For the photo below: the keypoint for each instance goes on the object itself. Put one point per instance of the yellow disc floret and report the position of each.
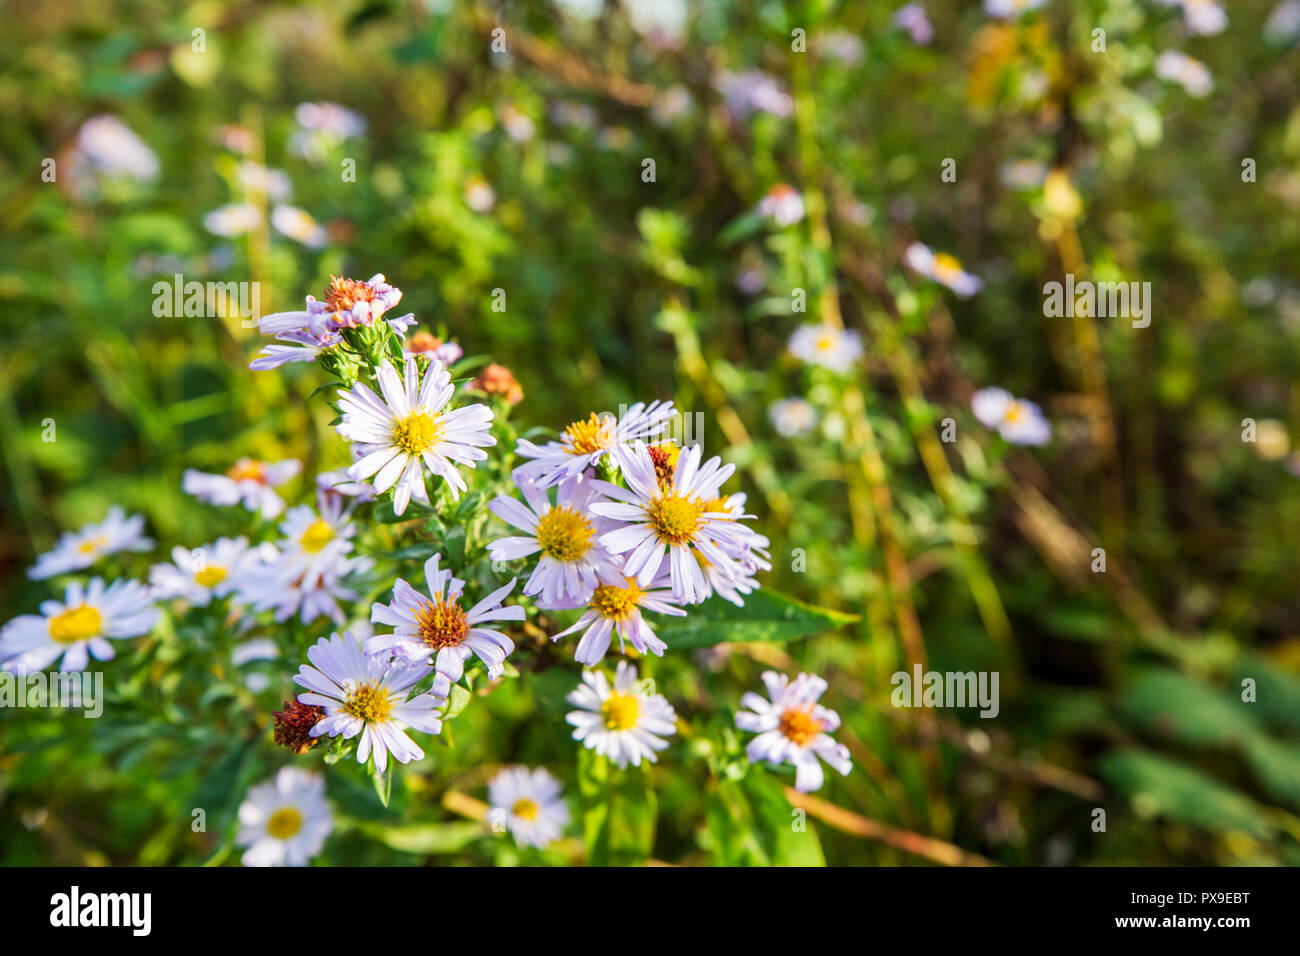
(369, 702)
(76, 624)
(620, 711)
(441, 623)
(675, 518)
(318, 534)
(614, 602)
(212, 575)
(564, 534)
(284, 823)
(416, 432)
(586, 437)
(525, 809)
(799, 727)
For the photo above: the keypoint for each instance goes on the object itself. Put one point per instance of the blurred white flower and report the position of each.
(792, 416)
(284, 822)
(827, 346)
(530, 804)
(112, 149)
(1018, 420)
(299, 226)
(1192, 75)
(232, 220)
(942, 268)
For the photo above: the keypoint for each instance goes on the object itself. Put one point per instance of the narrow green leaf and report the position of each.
(766, 616)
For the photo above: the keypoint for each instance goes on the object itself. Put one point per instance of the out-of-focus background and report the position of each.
(605, 165)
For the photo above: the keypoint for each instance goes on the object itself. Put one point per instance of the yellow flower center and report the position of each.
(584, 438)
(416, 432)
(369, 702)
(1015, 411)
(799, 727)
(564, 534)
(441, 623)
(525, 809)
(620, 711)
(674, 518)
(210, 576)
(284, 823)
(246, 469)
(316, 536)
(614, 602)
(76, 624)
(91, 545)
(946, 267)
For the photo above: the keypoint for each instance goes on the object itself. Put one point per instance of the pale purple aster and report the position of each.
(368, 695)
(585, 443)
(793, 728)
(408, 430)
(437, 626)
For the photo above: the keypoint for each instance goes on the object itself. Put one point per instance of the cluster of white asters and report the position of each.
(618, 527)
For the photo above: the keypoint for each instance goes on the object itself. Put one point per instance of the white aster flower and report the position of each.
(76, 550)
(1283, 24)
(273, 183)
(585, 443)
(792, 416)
(79, 628)
(793, 728)
(679, 517)
(1018, 420)
(623, 722)
(284, 822)
(201, 574)
(530, 804)
(299, 225)
(114, 150)
(250, 481)
(615, 607)
(322, 127)
(783, 204)
(283, 586)
(827, 346)
(1192, 75)
(233, 220)
(438, 627)
(407, 430)
(1010, 9)
(942, 268)
(368, 695)
(913, 19)
(1203, 17)
(315, 541)
(565, 533)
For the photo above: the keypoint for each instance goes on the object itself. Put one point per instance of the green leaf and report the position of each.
(751, 823)
(384, 782)
(1277, 692)
(784, 835)
(1159, 786)
(1173, 705)
(1277, 767)
(619, 810)
(424, 838)
(766, 616)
